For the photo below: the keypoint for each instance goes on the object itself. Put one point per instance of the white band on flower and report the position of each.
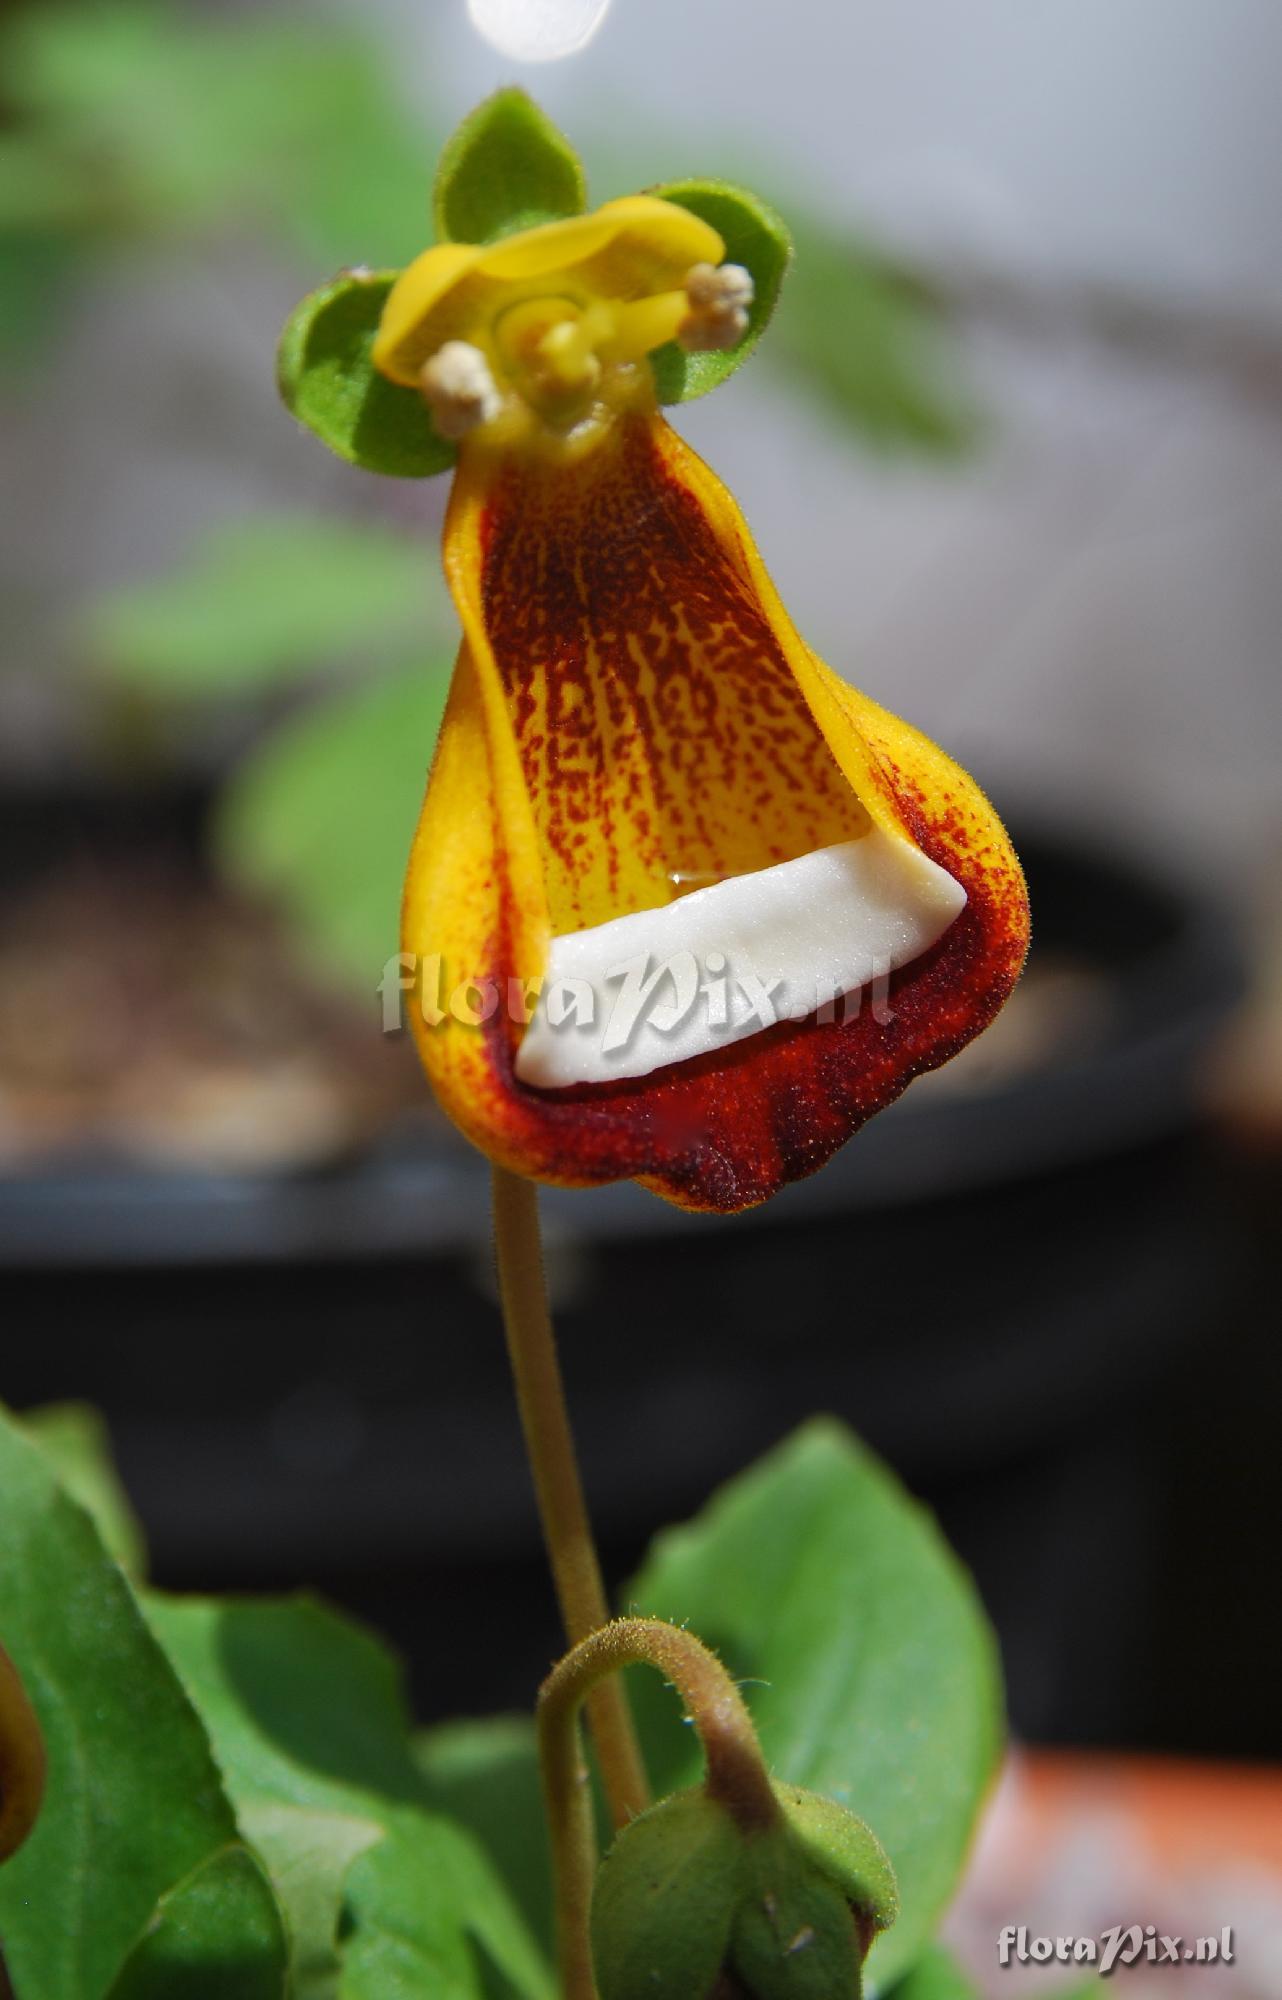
(459, 388)
(712, 967)
(719, 296)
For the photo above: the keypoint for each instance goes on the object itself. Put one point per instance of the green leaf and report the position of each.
(755, 237)
(133, 1804)
(320, 817)
(264, 1670)
(872, 1672)
(937, 1976)
(215, 1936)
(74, 1439)
(485, 1775)
(506, 167)
(259, 602)
(417, 1905)
(329, 382)
(308, 1721)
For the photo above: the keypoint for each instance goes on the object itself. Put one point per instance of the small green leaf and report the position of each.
(259, 602)
(321, 815)
(74, 1439)
(937, 1976)
(871, 1670)
(328, 380)
(133, 1803)
(755, 237)
(215, 1936)
(506, 167)
(309, 1768)
(424, 1913)
(485, 1775)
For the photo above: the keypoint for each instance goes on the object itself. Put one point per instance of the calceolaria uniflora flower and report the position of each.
(686, 906)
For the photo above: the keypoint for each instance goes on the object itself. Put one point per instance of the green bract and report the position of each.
(506, 168)
(755, 237)
(330, 384)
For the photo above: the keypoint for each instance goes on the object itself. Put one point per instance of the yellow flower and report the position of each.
(555, 324)
(752, 903)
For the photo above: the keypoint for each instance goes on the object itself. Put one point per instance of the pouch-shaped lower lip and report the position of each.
(659, 986)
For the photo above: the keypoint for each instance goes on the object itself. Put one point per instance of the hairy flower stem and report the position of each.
(736, 1774)
(549, 1442)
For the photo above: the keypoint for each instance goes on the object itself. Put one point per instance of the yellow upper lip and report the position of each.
(627, 250)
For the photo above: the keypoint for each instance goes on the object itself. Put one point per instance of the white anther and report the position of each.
(719, 285)
(719, 296)
(459, 388)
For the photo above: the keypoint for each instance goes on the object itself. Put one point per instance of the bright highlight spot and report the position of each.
(659, 986)
(537, 30)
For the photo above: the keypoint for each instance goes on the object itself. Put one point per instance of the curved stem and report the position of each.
(736, 1774)
(549, 1442)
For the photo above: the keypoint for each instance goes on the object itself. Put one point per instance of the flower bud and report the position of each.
(690, 1906)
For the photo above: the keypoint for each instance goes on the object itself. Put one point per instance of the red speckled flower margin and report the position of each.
(631, 704)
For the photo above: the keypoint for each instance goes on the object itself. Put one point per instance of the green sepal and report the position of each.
(848, 1852)
(328, 380)
(506, 167)
(664, 1901)
(795, 1936)
(755, 237)
(786, 1911)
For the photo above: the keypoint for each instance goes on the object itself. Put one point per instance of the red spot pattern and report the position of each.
(660, 728)
(658, 723)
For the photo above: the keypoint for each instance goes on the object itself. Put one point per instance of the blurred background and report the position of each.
(1013, 451)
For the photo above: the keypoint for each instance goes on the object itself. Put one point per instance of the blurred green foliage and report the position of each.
(866, 339)
(319, 817)
(259, 603)
(144, 119)
(147, 125)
